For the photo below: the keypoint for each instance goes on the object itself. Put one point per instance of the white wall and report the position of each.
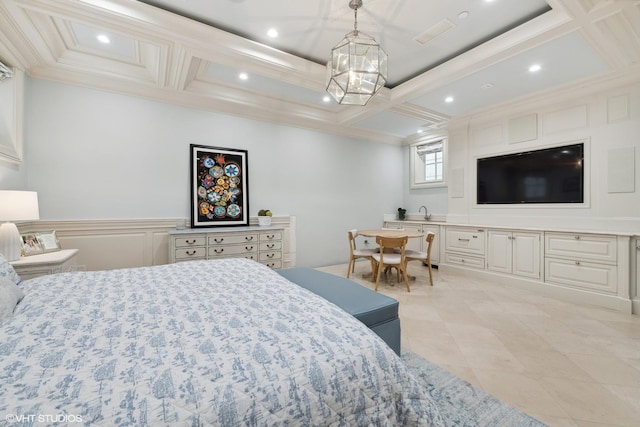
(98, 155)
(608, 121)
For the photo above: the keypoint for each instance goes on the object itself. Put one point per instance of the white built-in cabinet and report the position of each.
(514, 252)
(420, 244)
(596, 267)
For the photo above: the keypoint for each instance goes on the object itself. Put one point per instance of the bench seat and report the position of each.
(379, 312)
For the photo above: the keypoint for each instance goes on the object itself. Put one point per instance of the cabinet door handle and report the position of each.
(248, 248)
(463, 240)
(219, 251)
(193, 252)
(215, 239)
(248, 238)
(271, 236)
(270, 255)
(190, 242)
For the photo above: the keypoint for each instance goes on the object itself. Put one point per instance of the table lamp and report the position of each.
(15, 206)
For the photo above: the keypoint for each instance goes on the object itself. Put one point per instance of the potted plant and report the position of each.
(401, 213)
(264, 217)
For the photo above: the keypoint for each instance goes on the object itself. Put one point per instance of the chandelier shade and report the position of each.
(357, 67)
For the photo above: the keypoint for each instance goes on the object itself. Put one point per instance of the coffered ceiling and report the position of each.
(193, 52)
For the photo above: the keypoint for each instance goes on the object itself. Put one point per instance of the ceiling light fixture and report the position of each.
(448, 99)
(243, 76)
(273, 33)
(357, 68)
(103, 39)
(534, 68)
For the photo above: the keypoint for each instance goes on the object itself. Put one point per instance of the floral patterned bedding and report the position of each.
(225, 342)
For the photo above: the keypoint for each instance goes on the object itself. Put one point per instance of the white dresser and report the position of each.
(263, 244)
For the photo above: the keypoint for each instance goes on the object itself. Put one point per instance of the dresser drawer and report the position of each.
(232, 239)
(266, 237)
(183, 254)
(188, 241)
(271, 246)
(465, 261)
(270, 256)
(232, 250)
(465, 240)
(581, 246)
(580, 274)
(273, 264)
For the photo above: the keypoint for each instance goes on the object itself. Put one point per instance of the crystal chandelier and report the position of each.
(357, 68)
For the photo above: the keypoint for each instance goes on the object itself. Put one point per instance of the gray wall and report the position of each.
(98, 155)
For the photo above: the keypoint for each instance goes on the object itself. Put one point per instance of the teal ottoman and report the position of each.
(379, 312)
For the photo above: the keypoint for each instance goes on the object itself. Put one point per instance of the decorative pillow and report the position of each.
(10, 296)
(6, 270)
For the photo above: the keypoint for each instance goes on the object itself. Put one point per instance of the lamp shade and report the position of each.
(19, 206)
(15, 206)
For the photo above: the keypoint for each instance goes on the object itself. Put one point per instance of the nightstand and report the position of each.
(32, 266)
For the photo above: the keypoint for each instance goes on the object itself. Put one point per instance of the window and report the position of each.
(428, 163)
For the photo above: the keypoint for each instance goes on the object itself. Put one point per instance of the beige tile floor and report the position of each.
(562, 363)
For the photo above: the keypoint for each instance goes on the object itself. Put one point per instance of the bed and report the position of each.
(225, 342)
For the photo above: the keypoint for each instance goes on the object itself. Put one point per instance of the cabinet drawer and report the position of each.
(232, 239)
(266, 237)
(273, 264)
(191, 253)
(580, 274)
(187, 241)
(581, 246)
(466, 261)
(270, 256)
(465, 240)
(271, 246)
(231, 250)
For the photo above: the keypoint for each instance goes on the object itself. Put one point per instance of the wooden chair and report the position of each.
(425, 257)
(355, 253)
(386, 257)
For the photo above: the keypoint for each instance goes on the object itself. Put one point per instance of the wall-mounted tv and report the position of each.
(550, 175)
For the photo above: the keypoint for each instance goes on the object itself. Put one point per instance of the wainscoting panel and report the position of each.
(110, 244)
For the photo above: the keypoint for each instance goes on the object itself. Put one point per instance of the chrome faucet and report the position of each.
(426, 214)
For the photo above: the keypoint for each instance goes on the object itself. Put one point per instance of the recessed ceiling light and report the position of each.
(486, 86)
(420, 130)
(326, 98)
(273, 33)
(463, 15)
(102, 38)
(243, 76)
(535, 68)
(448, 99)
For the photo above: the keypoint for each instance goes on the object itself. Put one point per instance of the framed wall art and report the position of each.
(219, 187)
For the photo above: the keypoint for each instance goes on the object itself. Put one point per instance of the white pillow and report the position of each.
(10, 296)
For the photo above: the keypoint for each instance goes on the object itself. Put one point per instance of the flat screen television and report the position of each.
(550, 175)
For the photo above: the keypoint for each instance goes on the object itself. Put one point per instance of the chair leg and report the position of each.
(378, 268)
(406, 279)
(430, 274)
(351, 266)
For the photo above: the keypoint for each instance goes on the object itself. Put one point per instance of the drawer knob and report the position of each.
(219, 251)
(577, 262)
(577, 237)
